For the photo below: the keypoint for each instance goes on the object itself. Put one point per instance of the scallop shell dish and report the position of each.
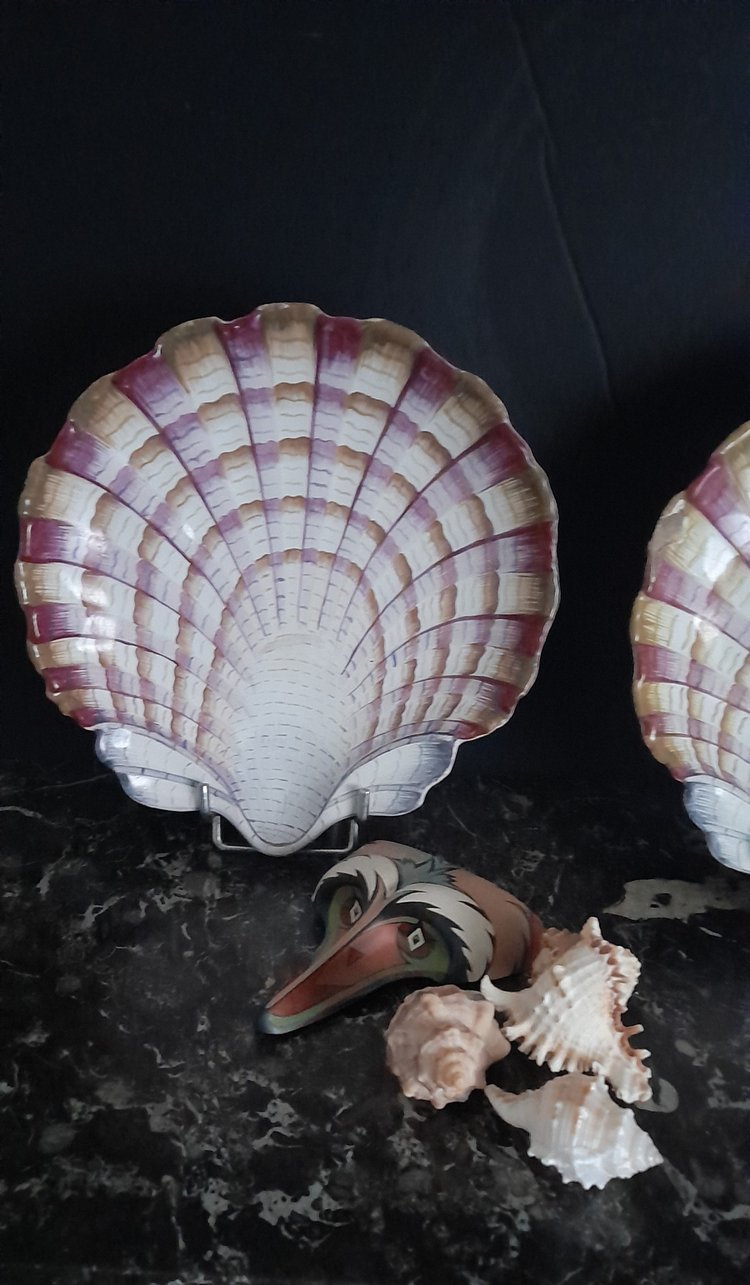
(691, 641)
(283, 566)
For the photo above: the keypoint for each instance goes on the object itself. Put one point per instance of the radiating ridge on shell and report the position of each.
(690, 631)
(293, 558)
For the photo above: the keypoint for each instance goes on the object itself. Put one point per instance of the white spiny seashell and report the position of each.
(690, 631)
(292, 558)
(570, 1017)
(624, 967)
(440, 1043)
(574, 1125)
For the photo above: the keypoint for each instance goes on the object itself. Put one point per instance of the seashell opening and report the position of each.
(292, 558)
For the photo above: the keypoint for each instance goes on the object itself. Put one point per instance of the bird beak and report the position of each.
(367, 956)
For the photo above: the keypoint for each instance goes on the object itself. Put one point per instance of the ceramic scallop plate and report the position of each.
(283, 566)
(691, 641)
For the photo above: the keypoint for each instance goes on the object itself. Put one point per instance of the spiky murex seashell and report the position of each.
(624, 966)
(441, 1041)
(293, 558)
(570, 1017)
(574, 1125)
(691, 648)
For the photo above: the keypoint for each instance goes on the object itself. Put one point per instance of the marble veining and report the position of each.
(149, 1134)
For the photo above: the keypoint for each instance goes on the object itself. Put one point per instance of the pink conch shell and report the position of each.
(440, 1043)
(574, 1125)
(570, 1017)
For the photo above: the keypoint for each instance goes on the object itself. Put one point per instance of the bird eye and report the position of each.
(415, 940)
(350, 908)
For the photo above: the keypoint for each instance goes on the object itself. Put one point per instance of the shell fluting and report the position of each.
(570, 1016)
(292, 558)
(574, 1126)
(690, 630)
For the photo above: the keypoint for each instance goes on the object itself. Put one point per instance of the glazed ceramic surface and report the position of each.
(691, 641)
(392, 912)
(283, 566)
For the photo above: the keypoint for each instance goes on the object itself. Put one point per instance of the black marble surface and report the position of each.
(149, 1135)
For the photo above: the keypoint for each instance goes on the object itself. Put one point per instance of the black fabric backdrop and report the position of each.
(555, 195)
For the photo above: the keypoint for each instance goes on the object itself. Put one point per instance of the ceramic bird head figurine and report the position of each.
(393, 912)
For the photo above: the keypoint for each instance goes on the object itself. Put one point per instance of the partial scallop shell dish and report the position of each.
(574, 1125)
(691, 642)
(570, 1017)
(287, 564)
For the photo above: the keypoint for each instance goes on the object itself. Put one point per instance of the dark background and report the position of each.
(555, 195)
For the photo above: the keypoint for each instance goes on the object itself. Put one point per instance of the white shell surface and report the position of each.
(690, 631)
(570, 1017)
(574, 1126)
(294, 558)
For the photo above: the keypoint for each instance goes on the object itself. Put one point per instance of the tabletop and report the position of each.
(149, 1133)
